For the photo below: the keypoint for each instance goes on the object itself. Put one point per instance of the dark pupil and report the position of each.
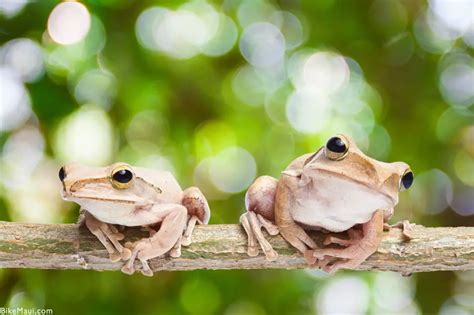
(123, 176)
(336, 144)
(407, 180)
(62, 174)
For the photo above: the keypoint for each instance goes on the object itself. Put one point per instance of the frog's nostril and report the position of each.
(62, 173)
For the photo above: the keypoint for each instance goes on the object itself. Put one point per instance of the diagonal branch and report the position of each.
(65, 246)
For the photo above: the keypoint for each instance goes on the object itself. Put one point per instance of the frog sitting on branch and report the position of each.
(132, 196)
(336, 189)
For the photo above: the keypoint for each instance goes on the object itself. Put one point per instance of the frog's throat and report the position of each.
(371, 187)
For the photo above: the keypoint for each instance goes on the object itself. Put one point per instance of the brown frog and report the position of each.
(338, 188)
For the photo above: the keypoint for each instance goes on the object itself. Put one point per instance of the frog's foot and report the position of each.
(271, 228)
(298, 238)
(198, 212)
(109, 236)
(252, 225)
(259, 202)
(163, 241)
(175, 252)
(405, 226)
(356, 253)
(188, 232)
(252, 248)
(330, 264)
(354, 237)
(310, 257)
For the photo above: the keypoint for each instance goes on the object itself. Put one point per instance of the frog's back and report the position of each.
(164, 181)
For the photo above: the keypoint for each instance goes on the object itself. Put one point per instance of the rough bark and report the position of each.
(66, 246)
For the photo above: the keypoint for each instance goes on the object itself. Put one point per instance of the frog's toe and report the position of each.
(310, 257)
(175, 252)
(186, 240)
(119, 236)
(126, 253)
(147, 272)
(252, 251)
(115, 256)
(271, 255)
(128, 270)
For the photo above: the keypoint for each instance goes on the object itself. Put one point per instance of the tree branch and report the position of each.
(66, 246)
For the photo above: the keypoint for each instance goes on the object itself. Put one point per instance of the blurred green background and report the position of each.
(219, 93)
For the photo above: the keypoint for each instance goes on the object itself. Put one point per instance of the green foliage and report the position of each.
(219, 94)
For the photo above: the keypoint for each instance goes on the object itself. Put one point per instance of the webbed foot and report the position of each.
(364, 244)
(109, 236)
(252, 224)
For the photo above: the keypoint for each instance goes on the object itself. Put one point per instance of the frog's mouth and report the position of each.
(91, 194)
(77, 197)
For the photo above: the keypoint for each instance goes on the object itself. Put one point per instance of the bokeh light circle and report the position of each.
(15, 103)
(343, 295)
(69, 23)
(233, 170)
(26, 57)
(262, 44)
(85, 136)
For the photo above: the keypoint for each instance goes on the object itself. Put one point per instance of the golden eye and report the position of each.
(336, 148)
(122, 177)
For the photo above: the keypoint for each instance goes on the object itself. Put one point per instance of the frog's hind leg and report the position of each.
(260, 197)
(252, 248)
(161, 242)
(109, 236)
(259, 201)
(256, 227)
(198, 212)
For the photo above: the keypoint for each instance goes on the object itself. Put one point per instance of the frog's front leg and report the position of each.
(162, 241)
(291, 232)
(357, 252)
(259, 201)
(198, 212)
(109, 236)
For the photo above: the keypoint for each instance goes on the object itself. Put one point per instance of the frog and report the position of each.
(117, 196)
(337, 190)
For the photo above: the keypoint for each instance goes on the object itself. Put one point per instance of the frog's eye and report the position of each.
(407, 180)
(122, 177)
(336, 148)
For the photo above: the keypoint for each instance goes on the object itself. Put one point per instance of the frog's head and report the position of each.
(343, 160)
(117, 184)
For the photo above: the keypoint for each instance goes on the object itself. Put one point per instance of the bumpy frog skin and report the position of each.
(132, 196)
(336, 189)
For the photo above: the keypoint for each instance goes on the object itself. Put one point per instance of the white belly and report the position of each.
(336, 204)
